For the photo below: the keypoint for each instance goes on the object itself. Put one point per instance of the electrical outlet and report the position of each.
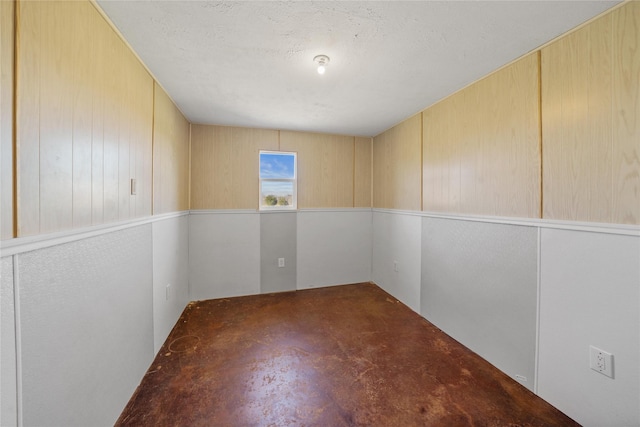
(395, 266)
(601, 361)
(280, 262)
(166, 291)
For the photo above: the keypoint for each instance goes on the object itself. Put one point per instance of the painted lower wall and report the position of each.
(479, 284)
(83, 315)
(224, 254)
(84, 327)
(170, 274)
(8, 385)
(235, 253)
(396, 256)
(590, 295)
(278, 231)
(529, 297)
(334, 247)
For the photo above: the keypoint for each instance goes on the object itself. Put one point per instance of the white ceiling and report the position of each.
(250, 63)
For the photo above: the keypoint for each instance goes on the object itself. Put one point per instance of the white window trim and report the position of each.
(294, 180)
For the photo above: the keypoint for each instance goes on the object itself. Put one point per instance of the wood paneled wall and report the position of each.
(481, 146)
(325, 168)
(591, 121)
(84, 120)
(170, 155)
(224, 165)
(362, 172)
(333, 171)
(397, 165)
(6, 110)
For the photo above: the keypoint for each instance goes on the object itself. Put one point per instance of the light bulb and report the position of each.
(322, 61)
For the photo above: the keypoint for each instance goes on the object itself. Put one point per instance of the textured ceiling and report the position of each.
(248, 63)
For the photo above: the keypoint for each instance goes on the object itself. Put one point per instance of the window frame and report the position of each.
(294, 202)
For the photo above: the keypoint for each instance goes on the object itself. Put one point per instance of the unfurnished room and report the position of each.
(320, 213)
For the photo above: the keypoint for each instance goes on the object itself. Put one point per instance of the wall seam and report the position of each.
(153, 148)
(538, 291)
(18, 338)
(421, 160)
(540, 140)
(353, 178)
(14, 122)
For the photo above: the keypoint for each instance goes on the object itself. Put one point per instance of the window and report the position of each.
(278, 174)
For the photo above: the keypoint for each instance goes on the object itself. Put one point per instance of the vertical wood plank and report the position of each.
(7, 10)
(362, 172)
(202, 173)
(82, 102)
(397, 163)
(434, 160)
(246, 146)
(325, 168)
(211, 167)
(56, 117)
(99, 61)
(378, 148)
(626, 119)
(576, 121)
(124, 123)
(28, 118)
(481, 146)
(143, 141)
(112, 106)
(170, 156)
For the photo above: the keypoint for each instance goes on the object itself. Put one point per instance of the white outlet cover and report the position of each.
(601, 361)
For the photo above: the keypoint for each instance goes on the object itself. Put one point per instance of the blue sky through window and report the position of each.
(277, 166)
(277, 188)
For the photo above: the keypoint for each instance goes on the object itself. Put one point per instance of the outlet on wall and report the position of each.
(167, 291)
(280, 262)
(601, 361)
(395, 266)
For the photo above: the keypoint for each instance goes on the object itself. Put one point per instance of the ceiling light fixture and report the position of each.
(322, 61)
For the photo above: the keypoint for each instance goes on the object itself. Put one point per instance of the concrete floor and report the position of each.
(340, 356)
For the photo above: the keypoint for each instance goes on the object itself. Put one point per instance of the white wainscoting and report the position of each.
(8, 368)
(479, 284)
(590, 295)
(587, 292)
(92, 306)
(397, 239)
(224, 254)
(334, 247)
(85, 327)
(170, 267)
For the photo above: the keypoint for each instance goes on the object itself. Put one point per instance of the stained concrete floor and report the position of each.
(339, 356)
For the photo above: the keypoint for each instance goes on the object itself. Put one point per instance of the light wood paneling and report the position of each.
(397, 166)
(325, 168)
(626, 121)
(591, 121)
(362, 172)
(28, 118)
(170, 156)
(84, 120)
(141, 162)
(81, 108)
(6, 108)
(481, 152)
(57, 32)
(224, 165)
